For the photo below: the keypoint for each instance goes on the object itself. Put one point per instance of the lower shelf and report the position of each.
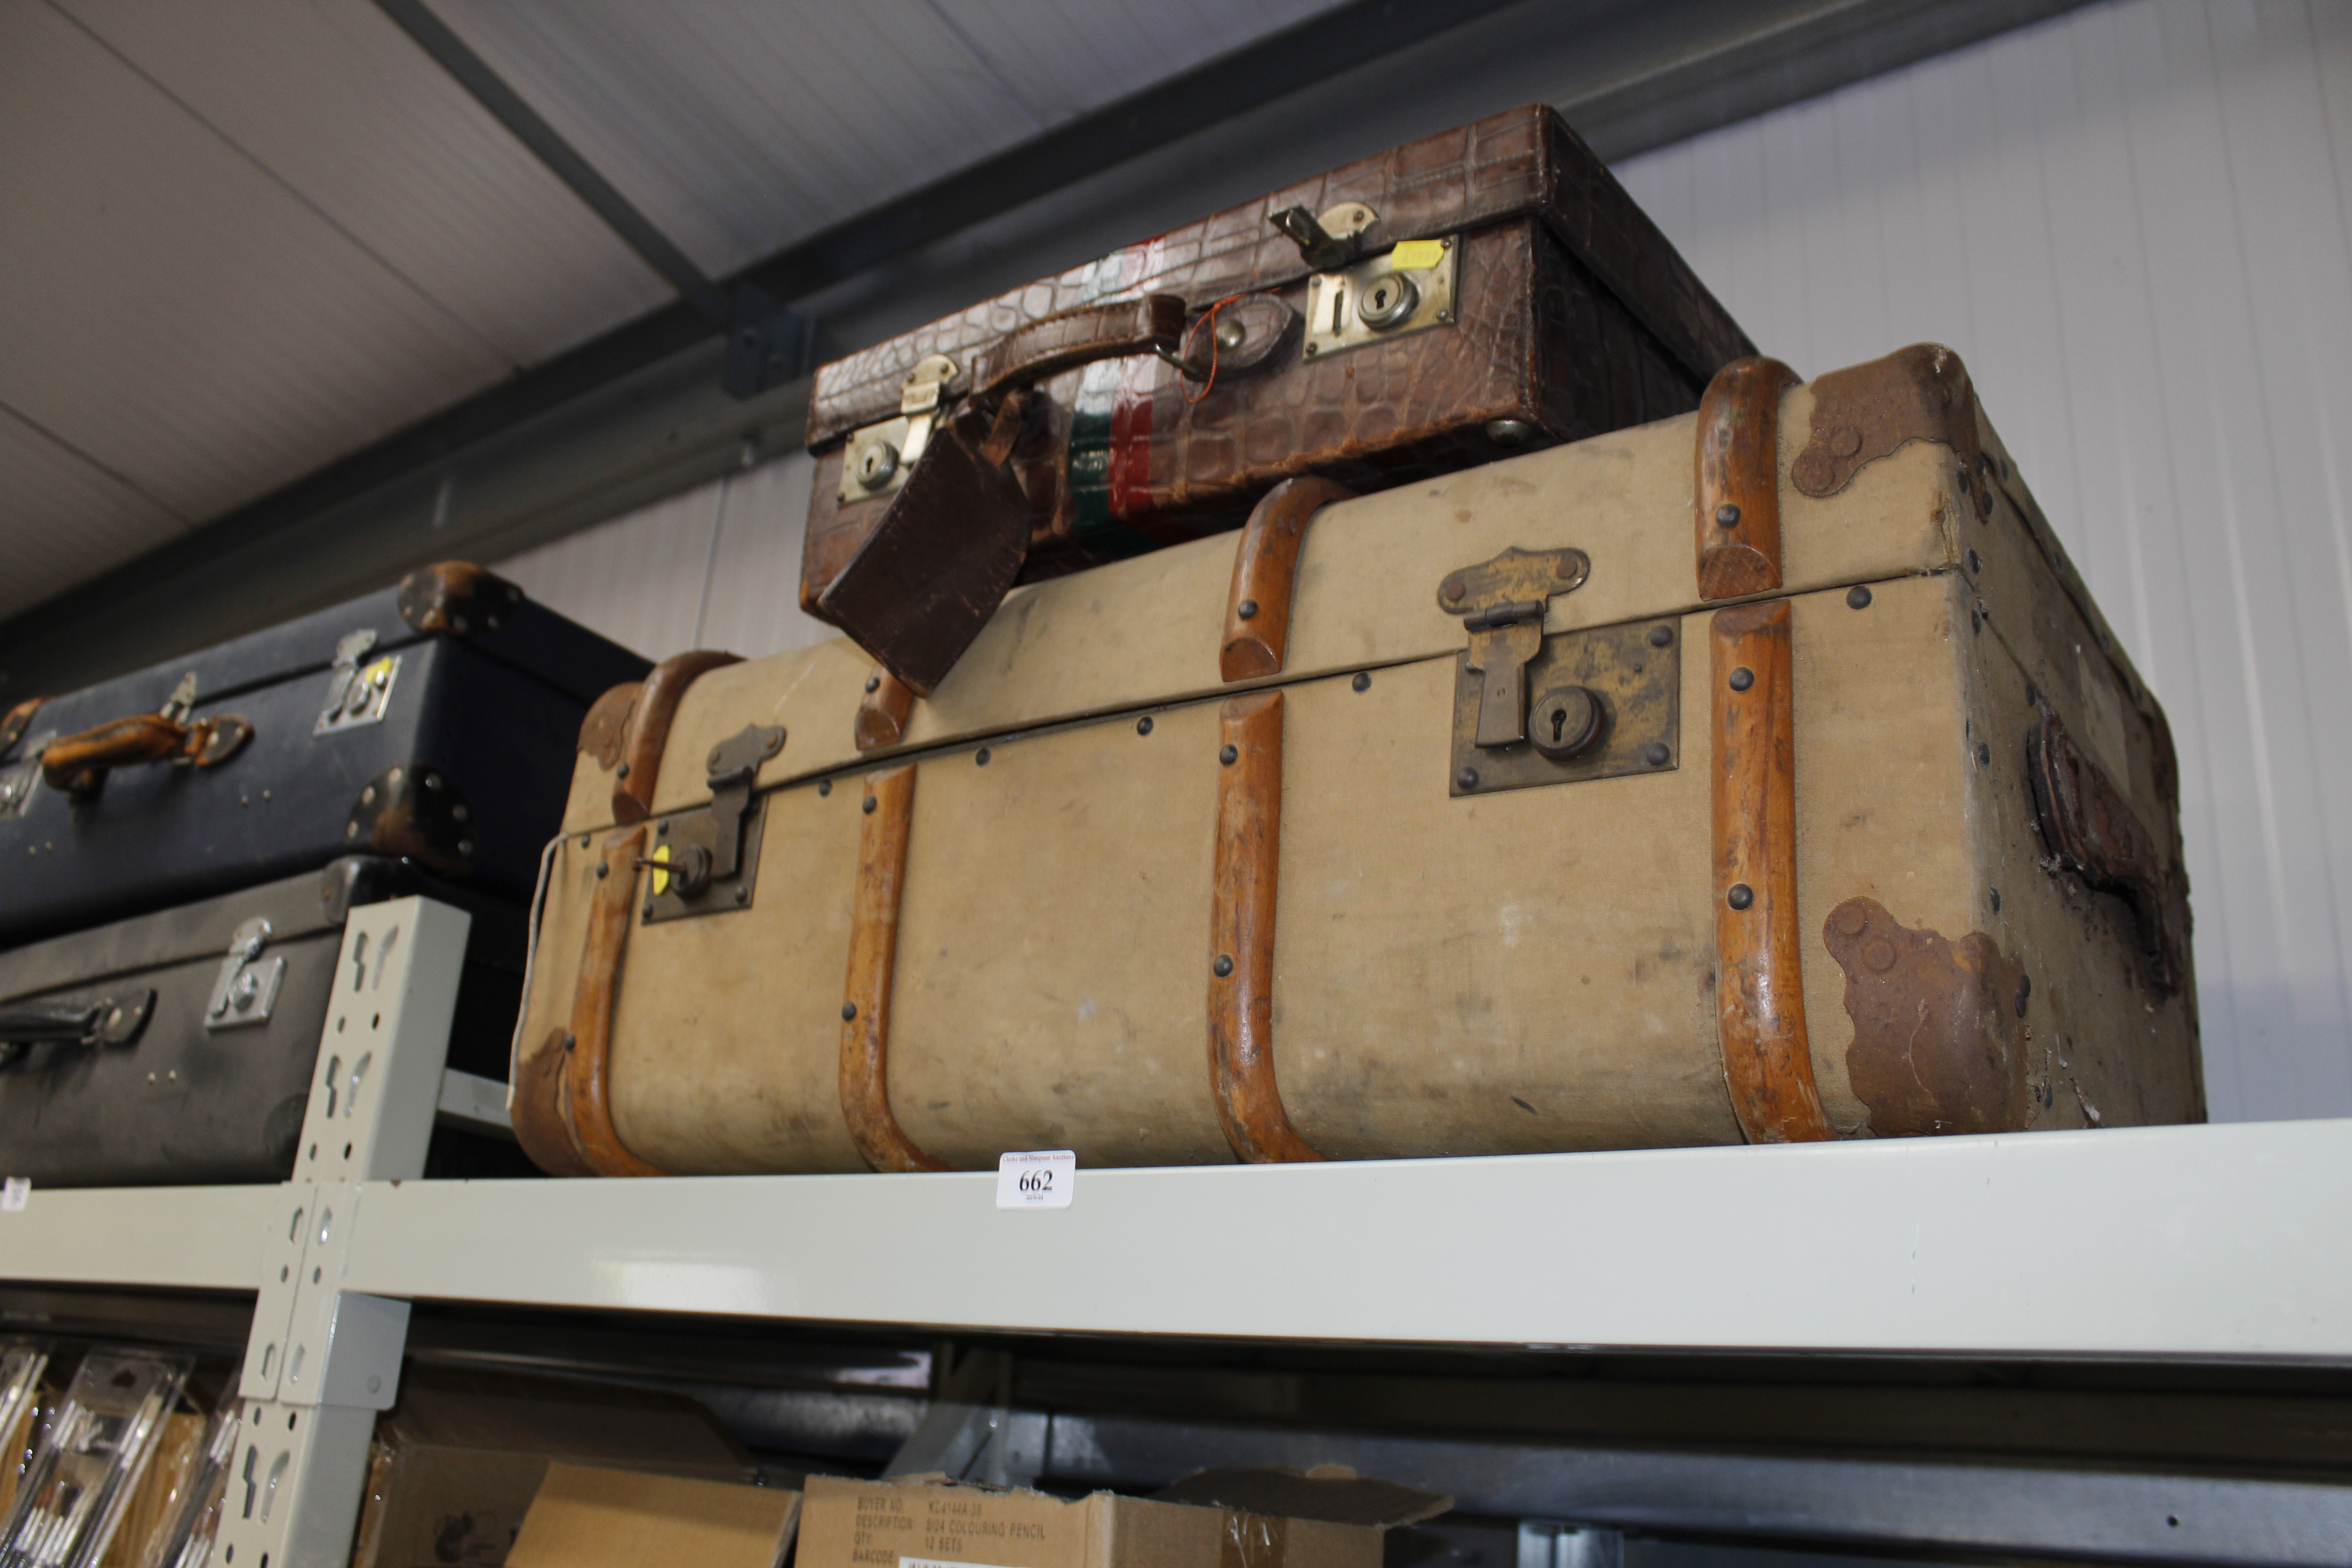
(2195, 1242)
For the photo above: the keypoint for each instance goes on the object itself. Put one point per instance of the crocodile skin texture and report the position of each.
(1539, 340)
(1526, 161)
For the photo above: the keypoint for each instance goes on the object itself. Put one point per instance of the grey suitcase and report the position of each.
(178, 1046)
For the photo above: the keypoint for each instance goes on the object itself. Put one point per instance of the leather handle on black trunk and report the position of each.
(80, 763)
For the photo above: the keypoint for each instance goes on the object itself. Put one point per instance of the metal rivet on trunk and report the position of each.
(848, 1012)
(742, 895)
(663, 831)
(1363, 681)
(1726, 515)
(603, 871)
(1224, 966)
(622, 772)
(1143, 725)
(1742, 678)
(1984, 755)
(1661, 635)
(1229, 755)
(1976, 563)
(873, 683)
(1509, 432)
(824, 787)
(1467, 778)
(868, 807)
(1857, 598)
(1656, 755)
(1996, 900)
(1741, 896)
(981, 756)
(1246, 609)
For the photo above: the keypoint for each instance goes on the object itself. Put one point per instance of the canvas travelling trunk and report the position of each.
(1486, 290)
(432, 721)
(1765, 773)
(178, 1046)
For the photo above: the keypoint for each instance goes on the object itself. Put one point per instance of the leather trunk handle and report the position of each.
(865, 1067)
(1114, 329)
(79, 764)
(2092, 831)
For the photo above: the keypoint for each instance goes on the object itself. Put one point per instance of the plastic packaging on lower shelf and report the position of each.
(114, 1466)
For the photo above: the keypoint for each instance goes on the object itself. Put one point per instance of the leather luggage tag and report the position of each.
(945, 551)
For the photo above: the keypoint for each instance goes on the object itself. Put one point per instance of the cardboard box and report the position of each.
(458, 1460)
(586, 1518)
(1218, 1519)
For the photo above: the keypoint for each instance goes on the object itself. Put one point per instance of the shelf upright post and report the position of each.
(321, 1360)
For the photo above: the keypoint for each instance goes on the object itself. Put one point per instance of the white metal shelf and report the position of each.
(189, 1239)
(2196, 1242)
(2232, 1241)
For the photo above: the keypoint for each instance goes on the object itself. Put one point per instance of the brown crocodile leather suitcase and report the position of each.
(1487, 289)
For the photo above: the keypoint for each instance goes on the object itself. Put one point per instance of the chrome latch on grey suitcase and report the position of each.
(246, 988)
(357, 694)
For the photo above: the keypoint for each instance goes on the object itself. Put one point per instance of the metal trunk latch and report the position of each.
(1502, 601)
(357, 695)
(1607, 699)
(878, 457)
(696, 856)
(246, 988)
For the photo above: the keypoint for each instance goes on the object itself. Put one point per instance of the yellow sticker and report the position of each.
(1414, 255)
(661, 878)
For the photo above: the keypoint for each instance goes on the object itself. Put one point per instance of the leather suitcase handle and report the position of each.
(1739, 479)
(1265, 576)
(19, 719)
(1115, 329)
(1241, 935)
(2091, 830)
(1759, 995)
(80, 763)
(890, 807)
(648, 728)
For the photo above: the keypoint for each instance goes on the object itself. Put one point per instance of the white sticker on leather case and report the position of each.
(1040, 1179)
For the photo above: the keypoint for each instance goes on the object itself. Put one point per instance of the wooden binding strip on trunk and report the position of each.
(882, 714)
(1739, 479)
(1241, 934)
(562, 1115)
(889, 808)
(1760, 999)
(589, 1053)
(648, 728)
(1266, 574)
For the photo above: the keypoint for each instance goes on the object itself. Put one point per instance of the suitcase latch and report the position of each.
(878, 457)
(357, 695)
(246, 988)
(1606, 700)
(1503, 601)
(706, 862)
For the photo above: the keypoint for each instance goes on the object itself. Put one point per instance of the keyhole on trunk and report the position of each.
(1566, 721)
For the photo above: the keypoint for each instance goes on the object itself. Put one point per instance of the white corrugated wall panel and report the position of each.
(83, 510)
(717, 567)
(2132, 224)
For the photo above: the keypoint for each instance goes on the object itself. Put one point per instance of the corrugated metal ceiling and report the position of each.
(240, 242)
